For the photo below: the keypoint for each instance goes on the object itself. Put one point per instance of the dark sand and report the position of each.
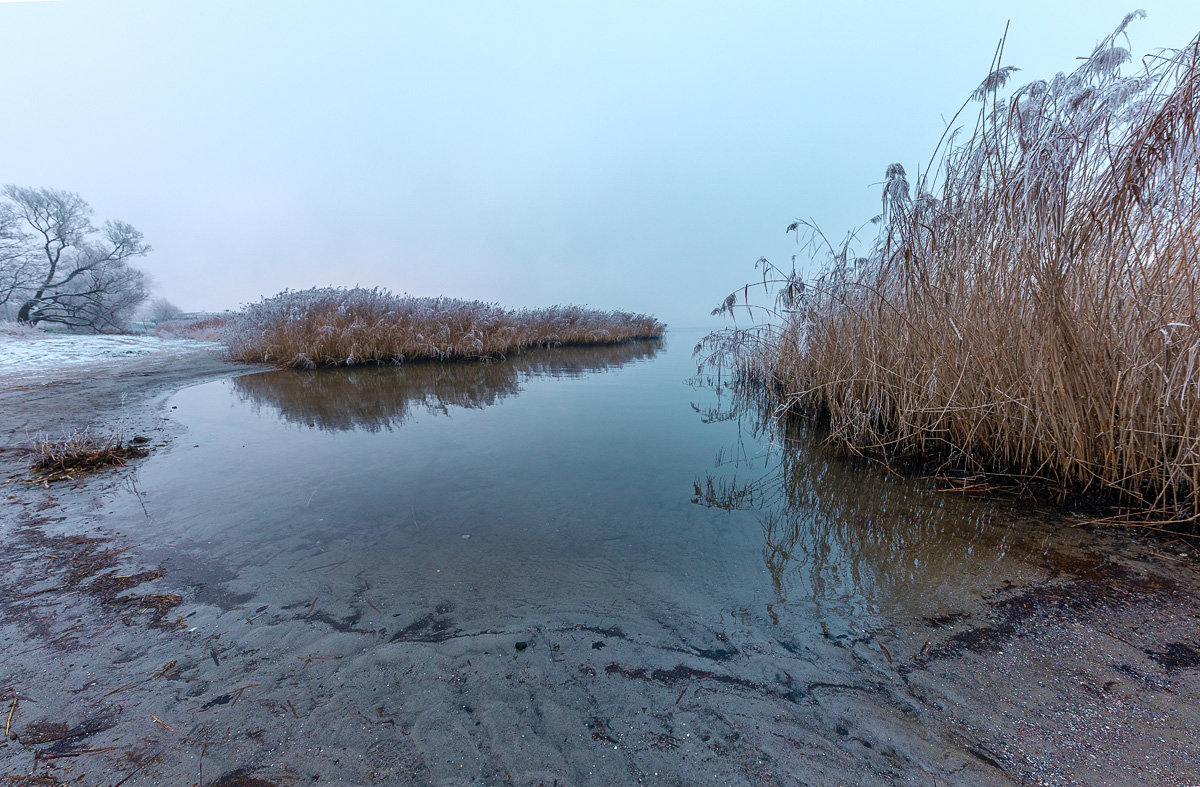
(1088, 673)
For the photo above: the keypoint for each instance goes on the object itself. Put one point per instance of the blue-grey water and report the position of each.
(556, 484)
(582, 565)
(578, 566)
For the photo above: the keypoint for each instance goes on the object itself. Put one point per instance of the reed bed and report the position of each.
(1031, 305)
(348, 327)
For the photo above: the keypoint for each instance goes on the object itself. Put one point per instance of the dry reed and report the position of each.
(81, 452)
(208, 329)
(347, 327)
(1032, 306)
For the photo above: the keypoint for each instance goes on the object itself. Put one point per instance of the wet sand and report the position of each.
(118, 667)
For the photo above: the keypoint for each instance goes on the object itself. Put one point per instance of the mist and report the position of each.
(617, 157)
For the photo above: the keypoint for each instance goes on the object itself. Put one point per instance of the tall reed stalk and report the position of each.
(1032, 305)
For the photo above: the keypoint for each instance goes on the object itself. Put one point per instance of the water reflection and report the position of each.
(408, 565)
(842, 530)
(574, 502)
(377, 398)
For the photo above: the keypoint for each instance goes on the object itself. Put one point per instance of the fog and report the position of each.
(619, 156)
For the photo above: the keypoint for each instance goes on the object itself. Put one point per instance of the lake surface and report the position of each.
(556, 483)
(525, 561)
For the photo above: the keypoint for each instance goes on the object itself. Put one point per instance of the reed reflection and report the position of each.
(840, 529)
(373, 399)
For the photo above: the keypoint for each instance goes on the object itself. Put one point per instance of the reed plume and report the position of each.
(1031, 305)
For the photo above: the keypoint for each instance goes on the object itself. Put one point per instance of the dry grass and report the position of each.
(81, 452)
(347, 327)
(1032, 306)
(208, 329)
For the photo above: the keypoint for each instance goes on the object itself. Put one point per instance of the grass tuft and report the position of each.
(349, 327)
(81, 452)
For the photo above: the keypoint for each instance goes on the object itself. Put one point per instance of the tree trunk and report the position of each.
(27, 308)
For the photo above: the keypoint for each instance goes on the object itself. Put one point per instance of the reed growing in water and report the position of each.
(347, 327)
(1031, 305)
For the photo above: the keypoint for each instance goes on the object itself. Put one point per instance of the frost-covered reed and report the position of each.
(80, 452)
(1031, 305)
(347, 327)
(207, 329)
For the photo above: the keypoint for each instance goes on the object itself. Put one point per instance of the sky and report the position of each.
(636, 156)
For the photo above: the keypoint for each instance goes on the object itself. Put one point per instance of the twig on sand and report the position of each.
(327, 565)
(76, 753)
(133, 488)
(11, 711)
(133, 773)
(238, 692)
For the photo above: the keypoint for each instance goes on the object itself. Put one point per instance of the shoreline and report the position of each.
(1078, 676)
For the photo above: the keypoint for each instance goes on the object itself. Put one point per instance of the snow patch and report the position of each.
(41, 356)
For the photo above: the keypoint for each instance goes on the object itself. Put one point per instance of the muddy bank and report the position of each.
(128, 657)
(42, 397)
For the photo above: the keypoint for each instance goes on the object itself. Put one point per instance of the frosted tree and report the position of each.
(60, 267)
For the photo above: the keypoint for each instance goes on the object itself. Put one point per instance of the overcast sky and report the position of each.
(626, 155)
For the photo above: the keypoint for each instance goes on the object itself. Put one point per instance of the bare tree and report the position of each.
(161, 310)
(102, 299)
(15, 267)
(60, 267)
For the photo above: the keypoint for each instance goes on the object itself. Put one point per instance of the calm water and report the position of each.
(558, 486)
(569, 567)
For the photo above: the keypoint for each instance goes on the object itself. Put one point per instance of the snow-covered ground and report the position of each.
(34, 355)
